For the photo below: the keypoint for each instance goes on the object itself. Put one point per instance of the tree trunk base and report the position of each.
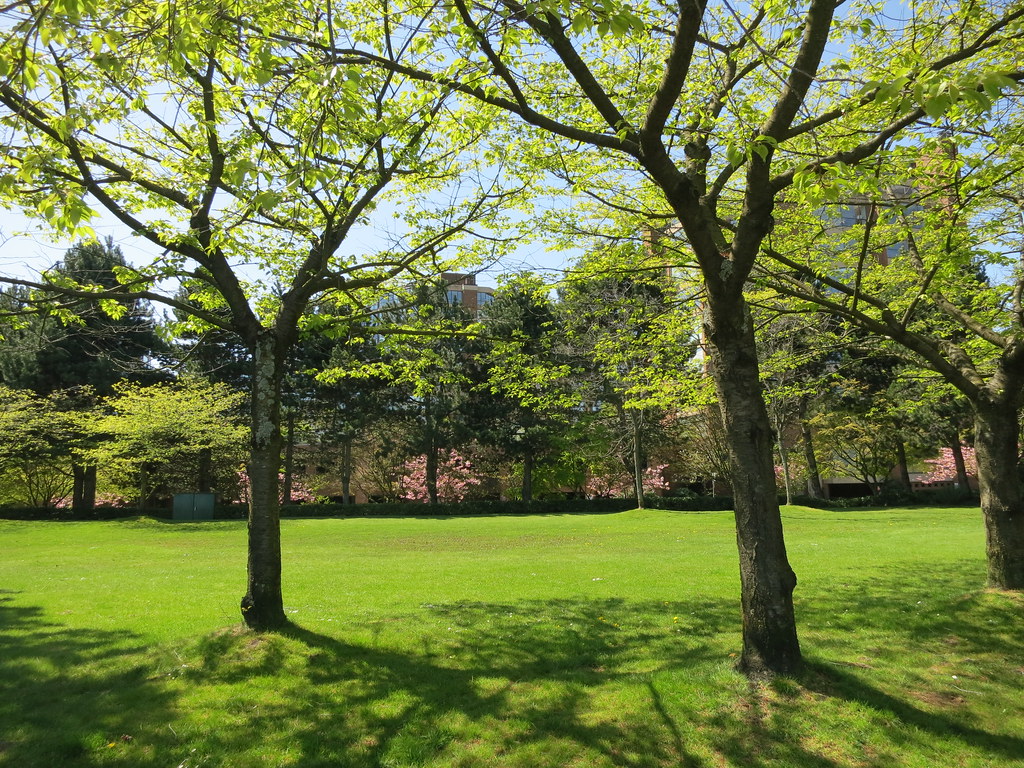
(266, 620)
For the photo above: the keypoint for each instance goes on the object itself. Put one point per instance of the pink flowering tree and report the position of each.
(616, 486)
(944, 467)
(456, 478)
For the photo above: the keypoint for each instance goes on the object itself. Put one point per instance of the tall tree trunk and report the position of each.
(346, 468)
(963, 482)
(770, 644)
(901, 462)
(636, 426)
(996, 430)
(289, 457)
(784, 459)
(204, 473)
(528, 476)
(89, 488)
(813, 475)
(430, 469)
(83, 492)
(431, 473)
(143, 487)
(263, 605)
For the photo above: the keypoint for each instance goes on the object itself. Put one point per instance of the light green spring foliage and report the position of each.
(164, 423)
(38, 440)
(528, 357)
(933, 248)
(255, 162)
(884, 67)
(636, 325)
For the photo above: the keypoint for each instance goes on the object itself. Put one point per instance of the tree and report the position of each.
(37, 443)
(453, 478)
(635, 344)
(529, 373)
(941, 213)
(87, 353)
(721, 109)
(92, 347)
(435, 359)
(251, 174)
(170, 437)
(797, 356)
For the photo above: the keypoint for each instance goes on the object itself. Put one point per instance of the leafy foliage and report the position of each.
(38, 440)
(156, 435)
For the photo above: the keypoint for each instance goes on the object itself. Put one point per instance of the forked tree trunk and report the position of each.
(83, 493)
(770, 644)
(996, 429)
(263, 606)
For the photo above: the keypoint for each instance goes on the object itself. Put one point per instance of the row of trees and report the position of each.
(142, 442)
(594, 390)
(269, 151)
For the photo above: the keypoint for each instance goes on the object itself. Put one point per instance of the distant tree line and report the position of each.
(596, 387)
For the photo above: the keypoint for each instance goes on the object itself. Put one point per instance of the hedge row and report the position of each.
(400, 509)
(688, 503)
(477, 508)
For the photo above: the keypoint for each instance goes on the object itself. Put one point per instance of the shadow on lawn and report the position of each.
(581, 682)
(510, 684)
(66, 693)
(529, 684)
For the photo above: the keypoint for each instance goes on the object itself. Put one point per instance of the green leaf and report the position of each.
(936, 107)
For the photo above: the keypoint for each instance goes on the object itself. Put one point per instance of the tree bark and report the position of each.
(346, 468)
(528, 476)
(83, 493)
(263, 605)
(770, 644)
(143, 487)
(289, 456)
(813, 475)
(996, 430)
(962, 480)
(430, 468)
(901, 463)
(204, 472)
(784, 459)
(431, 473)
(636, 423)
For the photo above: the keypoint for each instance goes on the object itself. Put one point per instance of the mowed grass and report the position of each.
(582, 640)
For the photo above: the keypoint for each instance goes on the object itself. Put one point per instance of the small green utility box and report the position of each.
(194, 506)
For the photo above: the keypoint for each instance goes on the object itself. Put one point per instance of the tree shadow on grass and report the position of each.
(500, 684)
(67, 693)
(611, 683)
(545, 683)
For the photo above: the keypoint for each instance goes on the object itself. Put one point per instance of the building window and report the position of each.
(483, 298)
(454, 297)
(851, 215)
(896, 249)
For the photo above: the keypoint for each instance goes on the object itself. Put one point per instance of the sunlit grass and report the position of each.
(584, 640)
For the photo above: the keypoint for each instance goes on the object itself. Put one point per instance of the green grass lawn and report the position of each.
(541, 642)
